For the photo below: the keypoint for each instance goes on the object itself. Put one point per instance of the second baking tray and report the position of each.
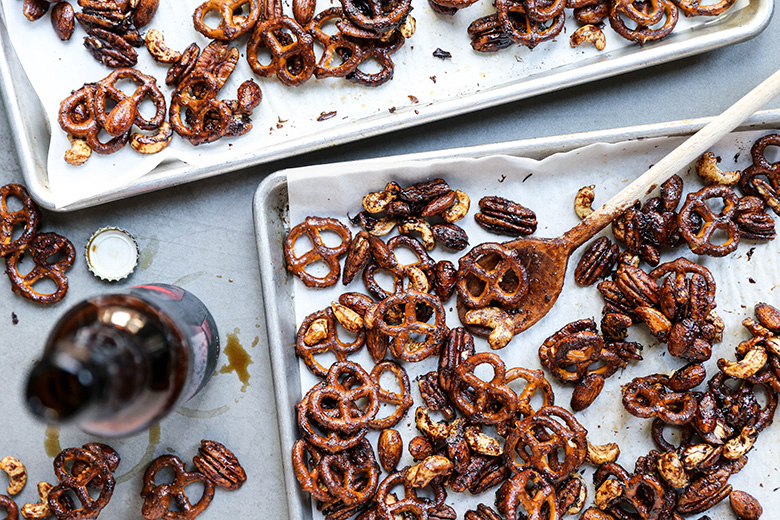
(271, 210)
(32, 133)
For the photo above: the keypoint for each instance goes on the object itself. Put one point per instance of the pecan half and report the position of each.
(502, 216)
(219, 465)
(110, 49)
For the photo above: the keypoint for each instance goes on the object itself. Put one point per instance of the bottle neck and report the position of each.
(73, 381)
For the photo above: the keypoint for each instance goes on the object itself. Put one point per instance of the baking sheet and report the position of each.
(547, 186)
(425, 88)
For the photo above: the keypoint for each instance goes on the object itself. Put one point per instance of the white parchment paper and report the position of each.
(286, 115)
(743, 278)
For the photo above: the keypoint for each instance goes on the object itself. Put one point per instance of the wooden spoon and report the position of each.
(545, 259)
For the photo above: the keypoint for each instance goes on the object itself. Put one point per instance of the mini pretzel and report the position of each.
(328, 440)
(483, 402)
(387, 260)
(124, 114)
(329, 343)
(761, 166)
(158, 499)
(543, 10)
(519, 27)
(77, 117)
(232, 25)
(338, 49)
(29, 215)
(348, 399)
(491, 273)
(694, 7)
(649, 13)
(649, 397)
(527, 489)
(306, 465)
(376, 14)
(42, 247)
(535, 382)
(568, 353)
(292, 51)
(403, 400)
(206, 118)
(351, 476)
(313, 228)
(418, 507)
(642, 33)
(412, 303)
(94, 474)
(674, 275)
(9, 506)
(699, 240)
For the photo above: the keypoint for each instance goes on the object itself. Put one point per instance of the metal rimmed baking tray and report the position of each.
(32, 133)
(271, 214)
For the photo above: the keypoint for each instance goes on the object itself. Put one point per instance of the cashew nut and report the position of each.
(349, 319)
(589, 33)
(155, 44)
(707, 168)
(420, 475)
(413, 224)
(741, 444)
(671, 469)
(607, 492)
(599, 454)
(409, 27)
(493, 318)
(655, 320)
(482, 443)
(773, 344)
(754, 359)
(430, 428)
(317, 331)
(377, 201)
(17, 474)
(41, 509)
(583, 201)
(458, 210)
(149, 144)
(418, 280)
(79, 151)
(382, 226)
(694, 455)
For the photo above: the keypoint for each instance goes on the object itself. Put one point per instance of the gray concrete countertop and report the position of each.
(201, 236)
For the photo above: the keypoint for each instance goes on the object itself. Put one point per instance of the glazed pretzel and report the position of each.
(77, 117)
(539, 503)
(159, 498)
(94, 471)
(403, 400)
(206, 118)
(124, 114)
(340, 55)
(401, 333)
(313, 228)
(377, 15)
(351, 476)
(642, 33)
(649, 12)
(520, 28)
(535, 382)
(306, 465)
(761, 166)
(386, 259)
(330, 343)
(231, 25)
(390, 507)
(699, 240)
(649, 397)
(543, 10)
(292, 51)
(490, 273)
(327, 440)
(483, 402)
(568, 353)
(29, 215)
(551, 441)
(694, 7)
(643, 493)
(685, 297)
(42, 247)
(336, 405)
(9, 506)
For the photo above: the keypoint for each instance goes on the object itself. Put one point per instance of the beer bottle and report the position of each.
(118, 363)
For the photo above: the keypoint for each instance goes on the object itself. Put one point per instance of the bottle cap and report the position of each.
(111, 254)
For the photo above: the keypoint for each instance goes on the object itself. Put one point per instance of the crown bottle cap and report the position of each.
(112, 254)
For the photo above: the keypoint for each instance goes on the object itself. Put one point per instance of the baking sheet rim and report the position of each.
(32, 149)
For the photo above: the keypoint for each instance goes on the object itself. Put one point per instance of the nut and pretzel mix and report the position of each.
(288, 116)
(617, 391)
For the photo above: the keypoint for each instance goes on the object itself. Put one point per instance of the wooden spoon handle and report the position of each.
(691, 149)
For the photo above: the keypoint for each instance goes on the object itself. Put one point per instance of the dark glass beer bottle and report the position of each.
(117, 363)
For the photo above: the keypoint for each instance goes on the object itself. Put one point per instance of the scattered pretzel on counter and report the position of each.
(51, 253)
